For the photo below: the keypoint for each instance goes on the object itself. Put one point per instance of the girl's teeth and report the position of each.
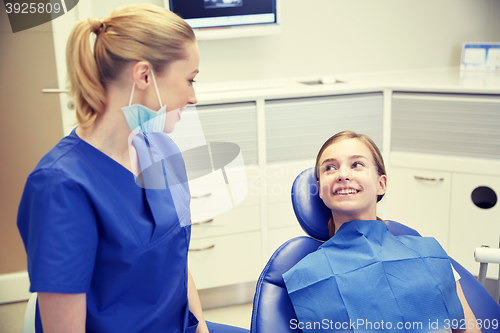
(348, 191)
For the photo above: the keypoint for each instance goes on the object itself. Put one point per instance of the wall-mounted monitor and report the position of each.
(216, 19)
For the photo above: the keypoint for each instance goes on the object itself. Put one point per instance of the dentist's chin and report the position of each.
(180, 111)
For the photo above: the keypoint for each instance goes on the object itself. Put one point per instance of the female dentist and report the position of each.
(104, 254)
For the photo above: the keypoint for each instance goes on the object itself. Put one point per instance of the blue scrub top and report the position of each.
(88, 228)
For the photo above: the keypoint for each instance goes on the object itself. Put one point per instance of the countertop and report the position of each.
(434, 80)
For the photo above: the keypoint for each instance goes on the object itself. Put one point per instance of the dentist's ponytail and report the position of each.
(85, 85)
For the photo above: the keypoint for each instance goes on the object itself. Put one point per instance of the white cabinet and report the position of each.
(446, 124)
(227, 249)
(441, 146)
(420, 199)
(225, 260)
(236, 220)
(472, 226)
(226, 245)
(297, 127)
(232, 122)
(282, 223)
(452, 142)
(439, 203)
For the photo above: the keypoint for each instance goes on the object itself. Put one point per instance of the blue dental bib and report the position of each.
(364, 279)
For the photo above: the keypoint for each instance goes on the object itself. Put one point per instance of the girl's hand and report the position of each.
(470, 318)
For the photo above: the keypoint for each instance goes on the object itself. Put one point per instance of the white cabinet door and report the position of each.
(446, 124)
(420, 199)
(225, 260)
(297, 127)
(472, 226)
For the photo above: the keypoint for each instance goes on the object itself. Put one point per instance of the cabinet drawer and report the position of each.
(234, 122)
(226, 260)
(211, 196)
(472, 226)
(236, 220)
(420, 199)
(296, 128)
(450, 124)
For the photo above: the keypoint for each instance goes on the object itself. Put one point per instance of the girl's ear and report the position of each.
(382, 184)
(319, 190)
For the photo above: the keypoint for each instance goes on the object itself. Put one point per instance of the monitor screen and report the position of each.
(225, 13)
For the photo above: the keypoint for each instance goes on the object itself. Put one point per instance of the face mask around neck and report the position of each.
(147, 120)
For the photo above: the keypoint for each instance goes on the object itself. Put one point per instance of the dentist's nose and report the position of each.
(192, 97)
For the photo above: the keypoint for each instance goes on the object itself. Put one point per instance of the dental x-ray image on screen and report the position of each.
(222, 3)
(235, 18)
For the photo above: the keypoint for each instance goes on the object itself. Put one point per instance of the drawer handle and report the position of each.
(203, 222)
(201, 196)
(203, 248)
(429, 179)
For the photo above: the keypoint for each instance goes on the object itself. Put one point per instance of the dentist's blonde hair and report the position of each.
(376, 154)
(132, 33)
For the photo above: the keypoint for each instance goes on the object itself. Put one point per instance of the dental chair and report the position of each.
(485, 255)
(272, 309)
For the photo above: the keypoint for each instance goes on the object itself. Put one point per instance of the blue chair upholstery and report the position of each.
(272, 309)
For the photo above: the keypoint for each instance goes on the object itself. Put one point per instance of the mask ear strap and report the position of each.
(157, 91)
(132, 94)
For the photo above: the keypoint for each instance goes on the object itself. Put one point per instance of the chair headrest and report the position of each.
(310, 210)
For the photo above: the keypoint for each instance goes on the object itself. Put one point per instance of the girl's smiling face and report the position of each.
(349, 181)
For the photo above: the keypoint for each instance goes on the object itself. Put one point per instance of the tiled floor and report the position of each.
(11, 316)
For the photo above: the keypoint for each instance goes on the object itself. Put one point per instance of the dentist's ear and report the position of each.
(141, 74)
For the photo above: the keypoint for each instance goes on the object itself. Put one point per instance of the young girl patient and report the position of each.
(364, 279)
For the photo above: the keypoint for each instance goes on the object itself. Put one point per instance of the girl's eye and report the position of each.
(330, 168)
(192, 81)
(357, 165)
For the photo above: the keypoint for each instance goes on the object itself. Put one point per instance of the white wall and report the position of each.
(495, 20)
(348, 36)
